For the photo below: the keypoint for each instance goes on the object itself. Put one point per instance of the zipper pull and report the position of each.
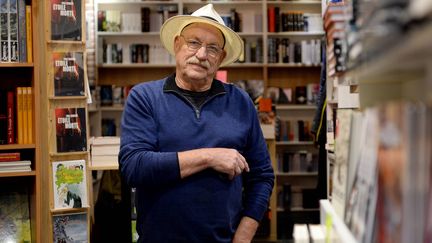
(197, 113)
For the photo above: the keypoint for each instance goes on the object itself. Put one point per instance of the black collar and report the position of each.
(170, 85)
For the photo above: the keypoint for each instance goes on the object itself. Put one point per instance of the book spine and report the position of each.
(19, 102)
(13, 32)
(271, 19)
(24, 115)
(29, 39)
(4, 34)
(22, 32)
(6, 157)
(30, 115)
(10, 118)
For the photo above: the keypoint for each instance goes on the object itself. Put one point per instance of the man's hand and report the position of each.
(246, 230)
(227, 161)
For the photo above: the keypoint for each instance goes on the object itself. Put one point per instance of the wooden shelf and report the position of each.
(295, 143)
(224, 2)
(104, 167)
(137, 65)
(106, 34)
(292, 65)
(15, 65)
(295, 2)
(296, 107)
(111, 108)
(296, 173)
(295, 33)
(17, 174)
(17, 146)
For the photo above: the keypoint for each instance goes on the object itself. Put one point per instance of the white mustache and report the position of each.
(194, 60)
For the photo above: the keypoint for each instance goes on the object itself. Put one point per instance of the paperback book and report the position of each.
(66, 23)
(71, 135)
(69, 184)
(68, 74)
(14, 214)
(70, 227)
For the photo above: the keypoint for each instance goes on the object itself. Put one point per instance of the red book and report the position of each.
(271, 19)
(13, 156)
(10, 118)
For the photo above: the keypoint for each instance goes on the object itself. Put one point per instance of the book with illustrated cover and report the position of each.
(66, 23)
(14, 214)
(70, 227)
(69, 184)
(68, 73)
(71, 134)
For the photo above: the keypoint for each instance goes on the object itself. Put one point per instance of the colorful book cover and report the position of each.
(66, 20)
(14, 214)
(4, 31)
(71, 134)
(68, 74)
(70, 228)
(69, 183)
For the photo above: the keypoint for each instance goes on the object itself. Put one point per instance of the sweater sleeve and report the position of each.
(259, 181)
(141, 164)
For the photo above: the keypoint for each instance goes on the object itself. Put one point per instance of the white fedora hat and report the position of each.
(207, 14)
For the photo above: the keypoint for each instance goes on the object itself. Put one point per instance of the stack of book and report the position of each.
(11, 162)
(104, 151)
(335, 18)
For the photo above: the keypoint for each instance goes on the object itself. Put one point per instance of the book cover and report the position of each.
(24, 115)
(66, 23)
(68, 73)
(14, 214)
(70, 227)
(71, 134)
(69, 184)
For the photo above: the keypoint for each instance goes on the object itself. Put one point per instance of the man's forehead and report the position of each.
(204, 26)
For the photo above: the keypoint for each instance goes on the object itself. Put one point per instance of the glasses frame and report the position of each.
(194, 45)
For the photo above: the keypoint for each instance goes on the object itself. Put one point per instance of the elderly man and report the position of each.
(192, 145)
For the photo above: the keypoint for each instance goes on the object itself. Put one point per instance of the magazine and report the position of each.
(71, 133)
(68, 74)
(66, 23)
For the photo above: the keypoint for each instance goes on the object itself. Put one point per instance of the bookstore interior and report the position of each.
(342, 91)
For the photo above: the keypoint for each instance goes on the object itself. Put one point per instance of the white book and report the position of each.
(301, 233)
(69, 184)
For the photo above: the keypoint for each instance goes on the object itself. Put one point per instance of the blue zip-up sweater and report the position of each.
(205, 207)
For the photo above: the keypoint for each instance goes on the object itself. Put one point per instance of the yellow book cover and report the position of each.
(30, 114)
(20, 114)
(29, 34)
(24, 114)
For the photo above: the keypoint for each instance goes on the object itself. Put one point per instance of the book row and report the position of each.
(151, 20)
(293, 130)
(292, 21)
(290, 196)
(16, 116)
(15, 31)
(283, 50)
(299, 161)
(299, 95)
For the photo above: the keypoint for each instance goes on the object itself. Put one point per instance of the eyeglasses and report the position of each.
(194, 45)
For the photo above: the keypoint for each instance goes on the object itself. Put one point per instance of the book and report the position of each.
(71, 134)
(13, 31)
(9, 156)
(4, 33)
(70, 227)
(24, 115)
(20, 114)
(10, 117)
(14, 214)
(66, 23)
(29, 34)
(68, 74)
(29, 115)
(69, 184)
(22, 31)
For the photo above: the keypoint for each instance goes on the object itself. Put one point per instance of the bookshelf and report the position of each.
(24, 73)
(254, 30)
(394, 89)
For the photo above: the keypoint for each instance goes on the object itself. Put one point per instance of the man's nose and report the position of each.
(201, 54)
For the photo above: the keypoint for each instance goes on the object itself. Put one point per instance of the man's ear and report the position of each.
(177, 44)
(222, 57)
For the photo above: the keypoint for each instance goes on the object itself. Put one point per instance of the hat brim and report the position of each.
(174, 25)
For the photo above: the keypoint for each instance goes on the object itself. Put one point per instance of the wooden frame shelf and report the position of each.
(18, 174)
(17, 146)
(16, 65)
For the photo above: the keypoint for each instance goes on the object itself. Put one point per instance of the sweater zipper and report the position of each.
(197, 109)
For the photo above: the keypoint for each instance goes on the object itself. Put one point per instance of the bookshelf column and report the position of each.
(63, 114)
